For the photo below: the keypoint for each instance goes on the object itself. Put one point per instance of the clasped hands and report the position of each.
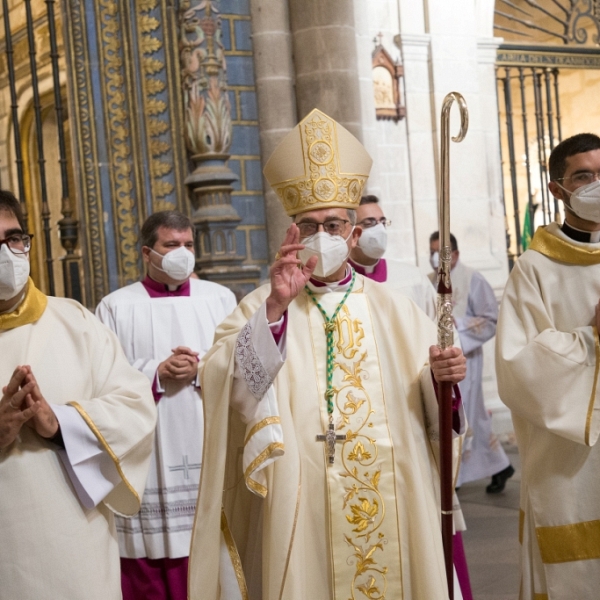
(181, 366)
(22, 403)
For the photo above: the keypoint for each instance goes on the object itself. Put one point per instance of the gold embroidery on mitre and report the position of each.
(322, 175)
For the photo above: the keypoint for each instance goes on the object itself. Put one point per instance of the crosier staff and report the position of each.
(446, 326)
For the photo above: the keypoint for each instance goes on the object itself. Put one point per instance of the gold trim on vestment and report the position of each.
(289, 554)
(29, 311)
(540, 596)
(567, 543)
(588, 421)
(554, 247)
(253, 466)
(234, 556)
(106, 447)
(521, 525)
(260, 425)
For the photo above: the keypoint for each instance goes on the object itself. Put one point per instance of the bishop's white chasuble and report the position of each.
(547, 361)
(366, 526)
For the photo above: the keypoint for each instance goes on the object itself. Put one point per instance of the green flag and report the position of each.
(526, 237)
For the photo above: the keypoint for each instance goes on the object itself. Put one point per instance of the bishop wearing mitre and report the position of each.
(321, 420)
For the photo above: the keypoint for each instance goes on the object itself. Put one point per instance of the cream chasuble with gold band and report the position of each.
(52, 546)
(366, 526)
(548, 362)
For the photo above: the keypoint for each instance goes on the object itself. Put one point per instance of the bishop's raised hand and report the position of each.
(288, 275)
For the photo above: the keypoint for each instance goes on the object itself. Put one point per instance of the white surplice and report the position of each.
(547, 362)
(369, 521)
(52, 545)
(149, 329)
(475, 312)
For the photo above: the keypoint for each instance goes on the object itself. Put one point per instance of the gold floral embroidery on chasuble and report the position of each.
(363, 521)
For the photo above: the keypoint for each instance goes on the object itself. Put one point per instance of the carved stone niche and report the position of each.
(387, 74)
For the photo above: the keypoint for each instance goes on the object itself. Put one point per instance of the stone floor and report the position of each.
(491, 540)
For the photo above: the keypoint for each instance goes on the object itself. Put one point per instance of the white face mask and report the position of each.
(373, 241)
(14, 272)
(177, 264)
(585, 201)
(434, 261)
(332, 251)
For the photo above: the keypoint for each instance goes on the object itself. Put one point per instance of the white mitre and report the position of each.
(319, 164)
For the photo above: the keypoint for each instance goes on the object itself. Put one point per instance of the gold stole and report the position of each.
(363, 521)
(29, 311)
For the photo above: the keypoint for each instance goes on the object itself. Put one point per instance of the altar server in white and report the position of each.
(547, 361)
(166, 323)
(475, 312)
(76, 428)
(326, 465)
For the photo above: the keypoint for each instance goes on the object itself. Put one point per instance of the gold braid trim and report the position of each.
(106, 447)
(553, 247)
(588, 421)
(29, 311)
(261, 425)
(234, 556)
(568, 543)
(253, 466)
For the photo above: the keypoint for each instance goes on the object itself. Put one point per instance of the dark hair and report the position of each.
(576, 144)
(436, 236)
(369, 200)
(169, 219)
(10, 204)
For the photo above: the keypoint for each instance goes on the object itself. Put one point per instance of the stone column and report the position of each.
(324, 41)
(274, 76)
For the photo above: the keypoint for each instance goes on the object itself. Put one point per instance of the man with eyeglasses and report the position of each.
(321, 416)
(367, 258)
(548, 364)
(76, 429)
(166, 323)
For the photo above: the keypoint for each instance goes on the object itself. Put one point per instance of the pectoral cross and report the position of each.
(330, 437)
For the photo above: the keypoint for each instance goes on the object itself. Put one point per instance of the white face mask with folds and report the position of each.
(332, 251)
(14, 273)
(373, 241)
(585, 201)
(177, 264)
(434, 261)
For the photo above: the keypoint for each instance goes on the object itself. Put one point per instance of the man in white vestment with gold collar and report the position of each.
(76, 429)
(547, 362)
(328, 456)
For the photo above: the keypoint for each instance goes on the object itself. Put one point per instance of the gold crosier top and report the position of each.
(319, 164)
(558, 249)
(29, 311)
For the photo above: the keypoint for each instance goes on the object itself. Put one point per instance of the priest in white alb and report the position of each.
(475, 312)
(166, 323)
(321, 415)
(548, 361)
(76, 429)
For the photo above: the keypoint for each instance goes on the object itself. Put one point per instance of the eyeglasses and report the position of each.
(582, 178)
(372, 221)
(18, 243)
(331, 226)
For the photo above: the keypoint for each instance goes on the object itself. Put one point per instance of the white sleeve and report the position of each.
(258, 359)
(92, 472)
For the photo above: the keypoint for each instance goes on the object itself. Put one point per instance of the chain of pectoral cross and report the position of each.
(330, 437)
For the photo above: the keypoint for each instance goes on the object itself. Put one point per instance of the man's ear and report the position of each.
(146, 254)
(556, 190)
(356, 233)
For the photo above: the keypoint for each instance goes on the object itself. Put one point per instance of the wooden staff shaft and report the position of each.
(446, 329)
